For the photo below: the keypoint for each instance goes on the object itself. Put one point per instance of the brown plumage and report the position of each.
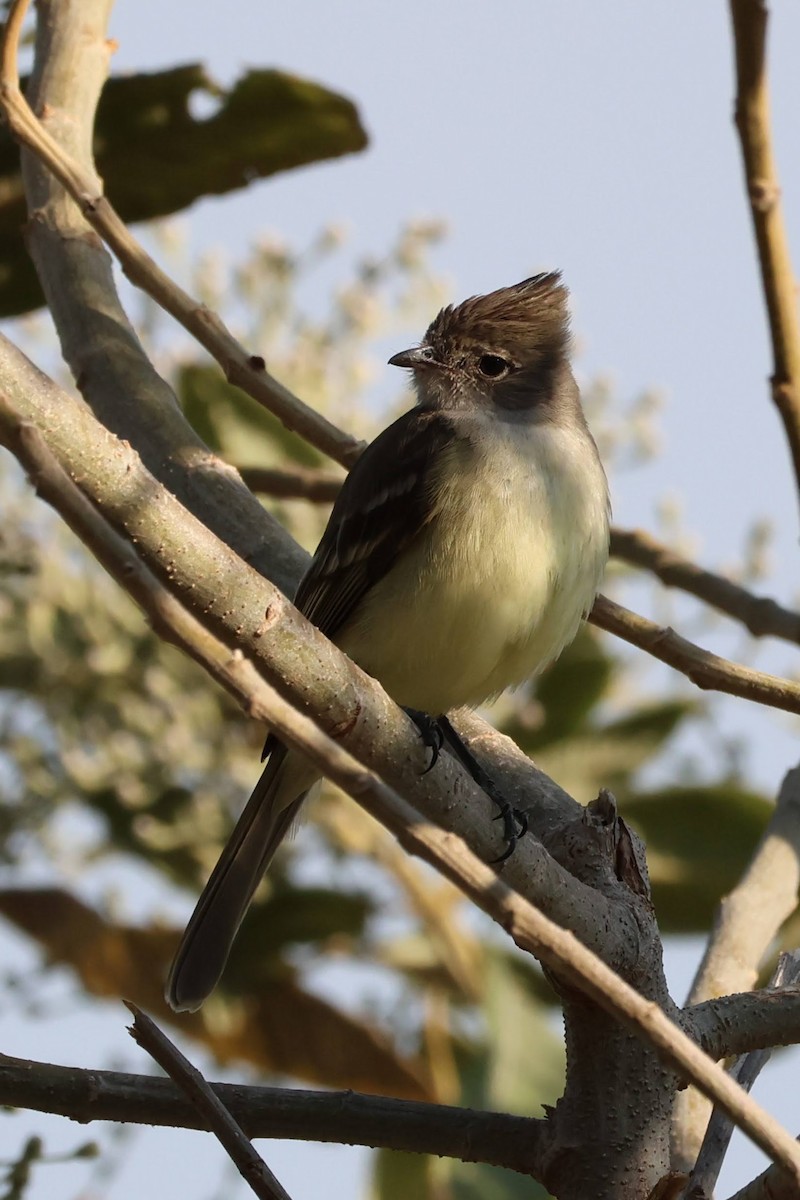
(529, 321)
(462, 551)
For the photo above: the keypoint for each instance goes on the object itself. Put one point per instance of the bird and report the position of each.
(466, 545)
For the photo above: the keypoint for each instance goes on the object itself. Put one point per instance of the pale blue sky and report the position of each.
(595, 138)
(592, 137)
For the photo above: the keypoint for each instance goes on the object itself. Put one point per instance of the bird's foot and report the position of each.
(515, 826)
(431, 732)
(515, 821)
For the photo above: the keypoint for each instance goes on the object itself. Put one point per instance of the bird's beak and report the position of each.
(419, 357)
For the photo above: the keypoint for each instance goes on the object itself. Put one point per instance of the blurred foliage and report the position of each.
(157, 157)
(116, 750)
(16, 1176)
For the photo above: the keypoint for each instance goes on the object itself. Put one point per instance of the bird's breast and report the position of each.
(496, 585)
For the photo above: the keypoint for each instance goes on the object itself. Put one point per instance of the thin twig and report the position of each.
(299, 483)
(745, 1071)
(556, 947)
(245, 370)
(761, 616)
(706, 670)
(752, 114)
(231, 1136)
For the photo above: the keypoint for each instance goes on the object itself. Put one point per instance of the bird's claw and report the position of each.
(515, 826)
(435, 731)
(430, 732)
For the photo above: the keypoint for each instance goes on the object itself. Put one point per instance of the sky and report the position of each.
(595, 138)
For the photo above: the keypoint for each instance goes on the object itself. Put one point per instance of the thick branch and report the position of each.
(745, 1021)
(745, 926)
(706, 670)
(229, 601)
(772, 1184)
(760, 616)
(749, 918)
(553, 887)
(745, 1070)
(749, 20)
(342, 1117)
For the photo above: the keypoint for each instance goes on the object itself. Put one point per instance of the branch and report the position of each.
(749, 918)
(747, 921)
(299, 1114)
(745, 1071)
(531, 929)
(196, 590)
(749, 20)
(760, 1020)
(228, 601)
(299, 483)
(244, 369)
(760, 616)
(772, 1184)
(231, 1136)
(706, 670)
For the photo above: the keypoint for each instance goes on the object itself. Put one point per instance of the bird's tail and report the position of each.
(265, 821)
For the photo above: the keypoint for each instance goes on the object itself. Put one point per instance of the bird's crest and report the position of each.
(526, 317)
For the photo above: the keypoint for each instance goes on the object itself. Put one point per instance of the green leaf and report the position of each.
(157, 158)
(519, 1082)
(291, 916)
(234, 424)
(519, 1069)
(400, 1176)
(571, 688)
(699, 839)
(477, 1181)
(564, 696)
(609, 755)
(653, 723)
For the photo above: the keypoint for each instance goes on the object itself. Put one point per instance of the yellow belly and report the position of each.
(496, 587)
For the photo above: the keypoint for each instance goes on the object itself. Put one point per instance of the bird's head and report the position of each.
(509, 349)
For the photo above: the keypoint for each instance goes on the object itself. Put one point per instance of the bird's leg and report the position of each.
(515, 822)
(431, 732)
(437, 732)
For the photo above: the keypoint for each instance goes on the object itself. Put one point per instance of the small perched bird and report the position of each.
(464, 548)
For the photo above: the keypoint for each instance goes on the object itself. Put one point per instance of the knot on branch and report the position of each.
(765, 194)
(599, 848)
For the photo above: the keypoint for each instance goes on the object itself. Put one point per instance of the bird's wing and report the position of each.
(385, 502)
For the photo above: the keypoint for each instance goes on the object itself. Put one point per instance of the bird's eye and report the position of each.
(493, 366)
